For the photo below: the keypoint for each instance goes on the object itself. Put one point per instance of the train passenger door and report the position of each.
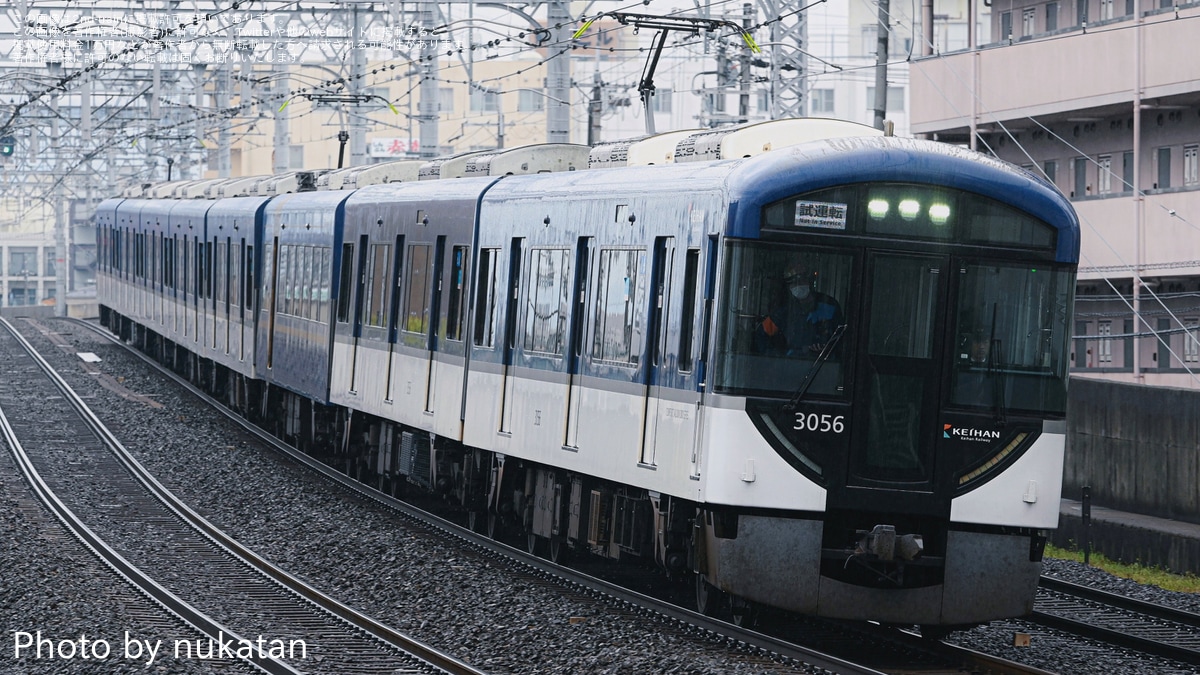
(516, 254)
(898, 379)
(656, 367)
(579, 294)
(435, 313)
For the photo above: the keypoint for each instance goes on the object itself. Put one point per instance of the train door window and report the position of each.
(377, 284)
(324, 262)
(687, 319)
(397, 284)
(168, 246)
(486, 298)
(287, 254)
(458, 285)
(248, 266)
(620, 307)
(345, 281)
(185, 268)
(416, 306)
(305, 282)
(548, 288)
(235, 274)
(223, 273)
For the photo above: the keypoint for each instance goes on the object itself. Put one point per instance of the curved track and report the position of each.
(221, 588)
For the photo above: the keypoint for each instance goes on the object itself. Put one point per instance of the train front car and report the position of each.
(884, 421)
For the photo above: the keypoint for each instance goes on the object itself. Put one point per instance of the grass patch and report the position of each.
(1184, 583)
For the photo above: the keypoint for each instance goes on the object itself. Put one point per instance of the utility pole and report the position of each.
(744, 68)
(282, 140)
(427, 109)
(224, 134)
(358, 72)
(558, 74)
(595, 108)
(881, 59)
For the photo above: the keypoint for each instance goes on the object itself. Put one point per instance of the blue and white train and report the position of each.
(577, 357)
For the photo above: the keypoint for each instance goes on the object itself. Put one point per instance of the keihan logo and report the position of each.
(948, 431)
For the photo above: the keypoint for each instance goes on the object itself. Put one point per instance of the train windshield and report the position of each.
(784, 320)
(1011, 335)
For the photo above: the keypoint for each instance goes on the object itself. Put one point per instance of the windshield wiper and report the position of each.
(826, 351)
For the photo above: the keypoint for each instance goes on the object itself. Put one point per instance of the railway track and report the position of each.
(240, 604)
(1118, 619)
(888, 647)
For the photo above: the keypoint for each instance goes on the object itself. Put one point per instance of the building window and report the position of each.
(484, 101)
(661, 101)
(1050, 168)
(1191, 165)
(895, 99)
(530, 100)
(1164, 168)
(1127, 172)
(1104, 177)
(1106, 9)
(445, 99)
(1006, 26)
(1105, 333)
(1191, 341)
(1081, 186)
(48, 269)
(1051, 16)
(822, 101)
(764, 101)
(22, 262)
(1027, 21)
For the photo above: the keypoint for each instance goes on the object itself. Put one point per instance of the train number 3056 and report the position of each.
(820, 423)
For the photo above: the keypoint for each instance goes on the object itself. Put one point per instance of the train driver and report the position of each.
(803, 322)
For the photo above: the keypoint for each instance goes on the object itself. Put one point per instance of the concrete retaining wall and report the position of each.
(1138, 448)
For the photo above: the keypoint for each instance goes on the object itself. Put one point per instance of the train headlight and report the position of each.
(939, 214)
(877, 209)
(909, 208)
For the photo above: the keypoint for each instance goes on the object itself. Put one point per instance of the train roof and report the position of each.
(841, 161)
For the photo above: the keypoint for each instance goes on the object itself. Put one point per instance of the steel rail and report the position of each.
(380, 631)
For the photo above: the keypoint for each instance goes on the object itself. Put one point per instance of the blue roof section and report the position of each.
(458, 188)
(778, 174)
(238, 207)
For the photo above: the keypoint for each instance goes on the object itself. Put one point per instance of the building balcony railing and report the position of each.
(1075, 70)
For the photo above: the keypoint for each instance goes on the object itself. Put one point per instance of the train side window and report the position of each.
(345, 281)
(454, 310)
(549, 290)
(377, 286)
(420, 268)
(486, 298)
(620, 307)
(691, 267)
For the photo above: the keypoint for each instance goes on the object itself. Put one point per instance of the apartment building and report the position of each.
(1102, 98)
